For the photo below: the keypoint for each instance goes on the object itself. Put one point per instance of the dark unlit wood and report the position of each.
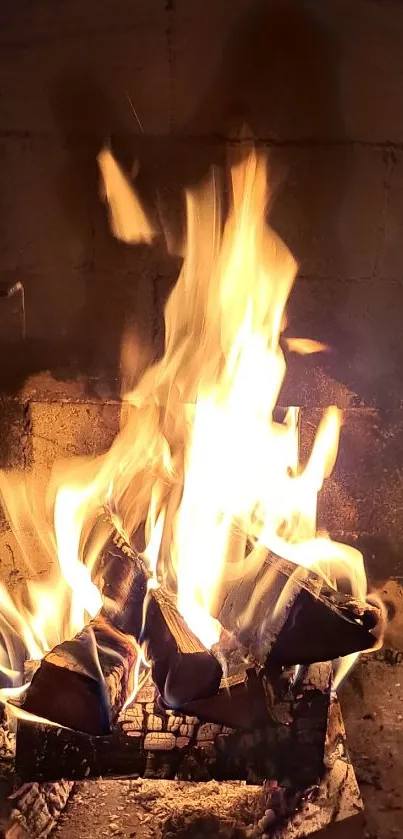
(315, 623)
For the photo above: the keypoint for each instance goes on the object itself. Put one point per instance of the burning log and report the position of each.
(325, 627)
(182, 668)
(291, 616)
(83, 683)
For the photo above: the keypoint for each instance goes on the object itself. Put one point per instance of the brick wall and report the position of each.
(320, 83)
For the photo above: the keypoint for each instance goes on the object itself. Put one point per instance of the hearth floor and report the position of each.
(372, 702)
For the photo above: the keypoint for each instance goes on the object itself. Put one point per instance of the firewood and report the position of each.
(83, 683)
(325, 627)
(290, 615)
(182, 668)
(151, 742)
(33, 810)
(240, 703)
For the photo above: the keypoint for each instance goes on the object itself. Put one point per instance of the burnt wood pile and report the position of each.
(198, 722)
(238, 712)
(33, 809)
(153, 742)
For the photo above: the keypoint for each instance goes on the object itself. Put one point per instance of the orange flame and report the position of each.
(200, 457)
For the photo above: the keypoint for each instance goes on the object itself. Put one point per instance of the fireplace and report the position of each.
(83, 311)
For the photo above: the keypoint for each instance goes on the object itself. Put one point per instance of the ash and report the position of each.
(372, 701)
(7, 745)
(7, 748)
(171, 810)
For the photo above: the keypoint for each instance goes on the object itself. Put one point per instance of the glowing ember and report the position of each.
(199, 458)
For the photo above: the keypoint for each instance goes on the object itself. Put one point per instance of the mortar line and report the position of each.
(391, 158)
(25, 272)
(169, 35)
(215, 139)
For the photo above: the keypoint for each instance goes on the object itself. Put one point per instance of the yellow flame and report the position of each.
(69, 515)
(128, 219)
(200, 457)
(304, 346)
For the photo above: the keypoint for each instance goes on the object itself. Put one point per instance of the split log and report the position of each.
(328, 626)
(182, 668)
(83, 683)
(290, 615)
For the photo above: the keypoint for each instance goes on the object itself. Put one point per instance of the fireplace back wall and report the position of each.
(170, 83)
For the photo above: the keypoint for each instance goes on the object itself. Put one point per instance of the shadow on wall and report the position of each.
(86, 119)
(277, 73)
(106, 300)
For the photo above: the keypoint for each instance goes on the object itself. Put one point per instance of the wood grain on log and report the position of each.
(34, 809)
(183, 669)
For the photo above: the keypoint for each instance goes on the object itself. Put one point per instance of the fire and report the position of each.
(200, 457)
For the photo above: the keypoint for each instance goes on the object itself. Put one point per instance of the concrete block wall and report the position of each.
(37, 434)
(171, 82)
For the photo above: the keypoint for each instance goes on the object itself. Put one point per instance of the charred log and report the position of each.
(290, 615)
(242, 703)
(33, 810)
(155, 743)
(325, 627)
